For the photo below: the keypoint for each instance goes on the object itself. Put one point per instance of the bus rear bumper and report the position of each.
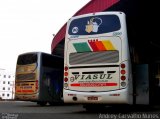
(33, 97)
(111, 97)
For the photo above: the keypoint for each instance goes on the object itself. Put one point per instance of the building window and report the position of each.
(7, 95)
(9, 76)
(3, 94)
(4, 76)
(8, 82)
(4, 82)
(3, 88)
(8, 88)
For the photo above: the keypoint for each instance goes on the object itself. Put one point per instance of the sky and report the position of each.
(29, 25)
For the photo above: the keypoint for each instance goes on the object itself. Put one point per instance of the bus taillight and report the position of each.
(66, 68)
(65, 73)
(123, 84)
(123, 74)
(123, 71)
(123, 66)
(65, 79)
(65, 85)
(36, 84)
(123, 77)
(66, 76)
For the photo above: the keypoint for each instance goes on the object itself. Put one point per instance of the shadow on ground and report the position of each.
(122, 109)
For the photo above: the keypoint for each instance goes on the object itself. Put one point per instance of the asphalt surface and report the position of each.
(30, 110)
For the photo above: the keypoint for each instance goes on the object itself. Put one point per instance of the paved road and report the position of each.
(30, 110)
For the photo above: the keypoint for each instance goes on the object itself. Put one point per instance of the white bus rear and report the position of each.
(97, 61)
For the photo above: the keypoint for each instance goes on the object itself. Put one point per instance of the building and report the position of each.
(7, 81)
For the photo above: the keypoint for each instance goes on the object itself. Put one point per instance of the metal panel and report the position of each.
(142, 84)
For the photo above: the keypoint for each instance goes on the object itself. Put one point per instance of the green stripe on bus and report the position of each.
(81, 47)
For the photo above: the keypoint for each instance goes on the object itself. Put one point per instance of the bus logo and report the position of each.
(93, 25)
(75, 30)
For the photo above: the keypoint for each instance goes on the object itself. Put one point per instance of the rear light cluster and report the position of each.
(66, 77)
(36, 85)
(123, 75)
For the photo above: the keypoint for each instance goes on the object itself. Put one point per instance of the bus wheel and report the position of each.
(42, 103)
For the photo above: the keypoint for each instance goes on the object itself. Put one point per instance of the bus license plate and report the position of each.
(93, 98)
(26, 87)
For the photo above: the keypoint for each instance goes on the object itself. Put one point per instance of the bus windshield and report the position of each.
(27, 59)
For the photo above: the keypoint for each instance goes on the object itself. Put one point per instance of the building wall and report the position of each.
(7, 81)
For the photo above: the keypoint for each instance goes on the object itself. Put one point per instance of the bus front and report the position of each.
(26, 82)
(96, 64)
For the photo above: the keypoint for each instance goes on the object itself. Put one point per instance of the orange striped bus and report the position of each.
(39, 78)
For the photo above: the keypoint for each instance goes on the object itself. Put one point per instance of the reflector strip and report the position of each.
(93, 45)
(81, 47)
(93, 84)
(108, 45)
(18, 91)
(24, 91)
(100, 46)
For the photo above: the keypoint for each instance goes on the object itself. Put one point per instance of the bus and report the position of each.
(102, 67)
(39, 78)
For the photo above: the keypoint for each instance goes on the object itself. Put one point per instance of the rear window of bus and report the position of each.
(94, 25)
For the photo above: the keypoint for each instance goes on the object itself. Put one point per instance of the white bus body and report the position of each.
(97, 66)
